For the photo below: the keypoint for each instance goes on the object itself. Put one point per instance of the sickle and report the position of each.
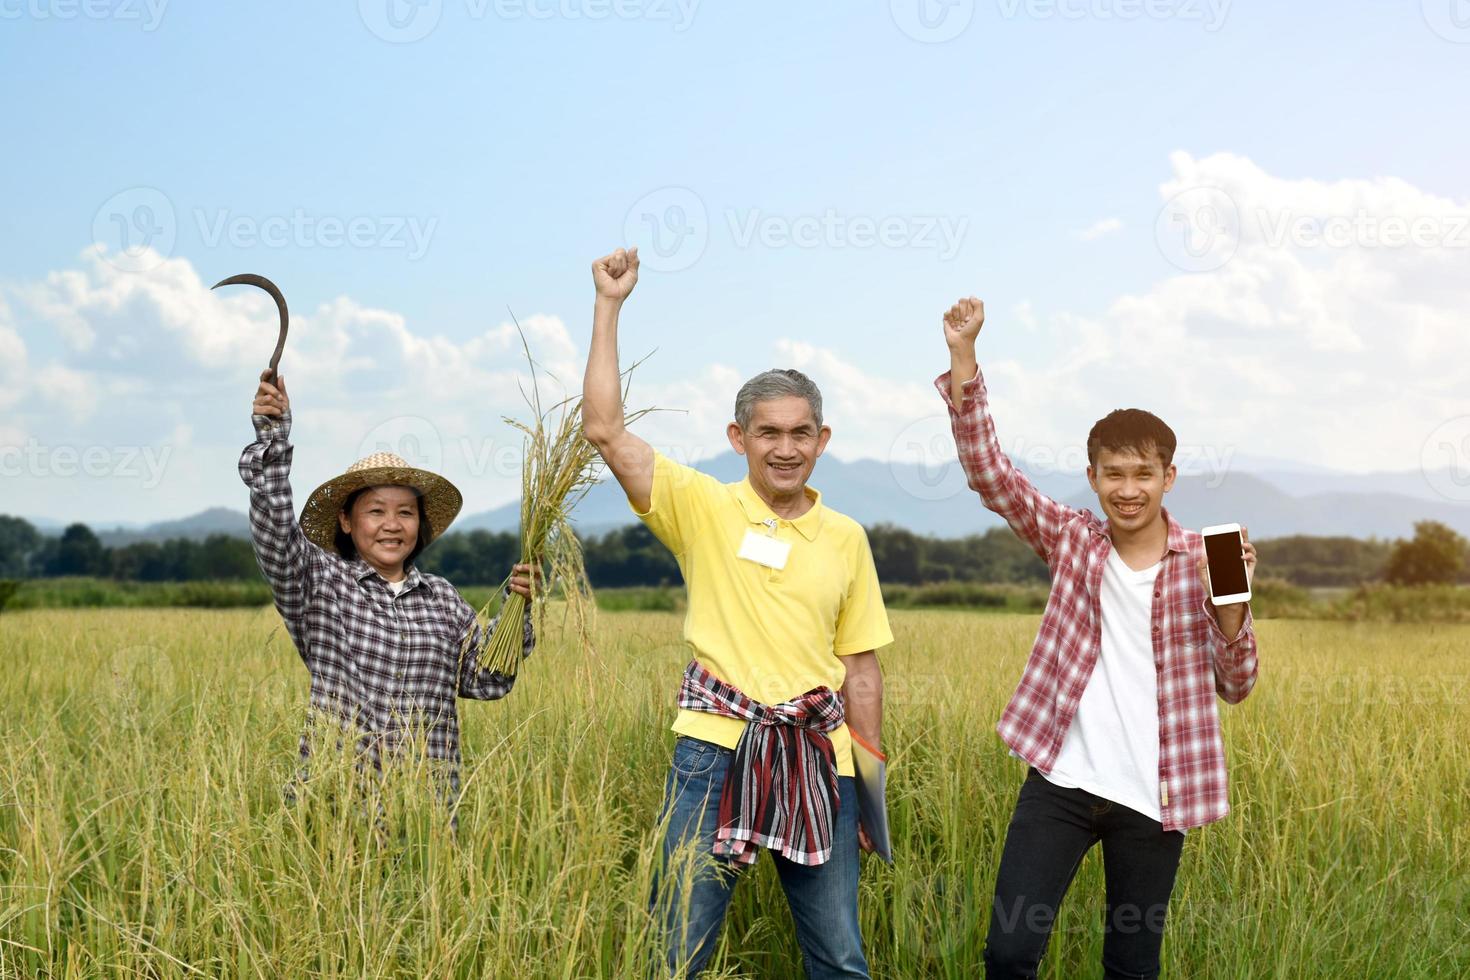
(250, 279)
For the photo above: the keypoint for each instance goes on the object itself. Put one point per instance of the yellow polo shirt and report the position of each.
(772, 634)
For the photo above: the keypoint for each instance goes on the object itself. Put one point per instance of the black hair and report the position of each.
(343, 541)
(1131, 429)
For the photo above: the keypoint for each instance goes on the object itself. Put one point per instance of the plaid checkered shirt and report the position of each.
(387, 668)
(1193, 657)
(781, 789)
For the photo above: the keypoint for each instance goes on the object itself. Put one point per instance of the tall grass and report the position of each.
(143, 834)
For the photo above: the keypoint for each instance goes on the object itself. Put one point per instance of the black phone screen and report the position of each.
(1227, 568)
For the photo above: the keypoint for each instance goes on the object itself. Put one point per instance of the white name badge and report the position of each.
(764, 550)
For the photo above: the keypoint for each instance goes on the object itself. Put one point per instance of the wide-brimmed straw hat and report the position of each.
(442, 499)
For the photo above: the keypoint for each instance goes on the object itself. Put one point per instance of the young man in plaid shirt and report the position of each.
(1115, 712)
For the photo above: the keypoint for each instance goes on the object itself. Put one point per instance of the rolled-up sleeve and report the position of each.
(475, 682)
(287, 559)
(1235, 658)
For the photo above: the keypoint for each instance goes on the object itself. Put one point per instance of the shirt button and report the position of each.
(1156, 629)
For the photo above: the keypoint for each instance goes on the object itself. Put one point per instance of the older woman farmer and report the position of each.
(388, 648)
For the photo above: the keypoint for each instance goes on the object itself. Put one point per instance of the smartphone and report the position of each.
(1223, 560)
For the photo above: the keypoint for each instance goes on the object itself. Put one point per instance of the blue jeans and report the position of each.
(822, 898)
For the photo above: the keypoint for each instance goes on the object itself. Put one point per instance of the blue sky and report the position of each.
(1025, 159)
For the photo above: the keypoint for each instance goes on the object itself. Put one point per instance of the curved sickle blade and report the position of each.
(250, 279)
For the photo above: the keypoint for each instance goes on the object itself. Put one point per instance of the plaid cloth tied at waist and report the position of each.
(781, 789)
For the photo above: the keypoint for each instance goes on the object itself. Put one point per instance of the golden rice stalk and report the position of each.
(558, 467)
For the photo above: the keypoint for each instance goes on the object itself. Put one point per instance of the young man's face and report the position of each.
(384, 525)
(781, 445)
(1130, 486)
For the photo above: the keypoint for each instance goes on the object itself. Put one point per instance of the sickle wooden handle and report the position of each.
(250, 279)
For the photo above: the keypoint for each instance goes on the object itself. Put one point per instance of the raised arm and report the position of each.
(1232, 632)
(1036, 518)
(629, 457)
(284, 554)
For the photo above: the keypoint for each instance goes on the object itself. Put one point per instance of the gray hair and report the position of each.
(776, 383)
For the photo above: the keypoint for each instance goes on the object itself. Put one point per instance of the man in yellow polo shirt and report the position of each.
(784, 617)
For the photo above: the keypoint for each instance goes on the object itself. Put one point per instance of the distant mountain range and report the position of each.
(1272, 502)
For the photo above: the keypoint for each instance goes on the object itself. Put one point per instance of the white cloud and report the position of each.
(867, 412)
(1024, 314)
(1101, 229)
(74, 392)
(1340, 354)
(1344, 351)
(14, 364)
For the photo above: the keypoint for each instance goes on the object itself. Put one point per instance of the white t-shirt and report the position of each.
(398, 586)
(1112, 747)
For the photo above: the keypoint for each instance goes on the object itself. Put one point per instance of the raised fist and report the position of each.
(615, 275)
(963, 321)
(271, 399)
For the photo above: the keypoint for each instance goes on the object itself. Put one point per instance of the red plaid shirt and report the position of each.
(1193, 657)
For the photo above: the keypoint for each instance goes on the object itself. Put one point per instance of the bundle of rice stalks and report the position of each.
(558, 467)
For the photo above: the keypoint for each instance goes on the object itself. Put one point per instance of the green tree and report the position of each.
(1436, 553)
(19, 539)
(80, 553)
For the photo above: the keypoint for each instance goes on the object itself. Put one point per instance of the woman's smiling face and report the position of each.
(384, 525)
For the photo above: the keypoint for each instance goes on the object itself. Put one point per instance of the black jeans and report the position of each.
(1051, 829)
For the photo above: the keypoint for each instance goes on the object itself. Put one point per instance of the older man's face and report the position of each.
(781, 445)
(384, 525)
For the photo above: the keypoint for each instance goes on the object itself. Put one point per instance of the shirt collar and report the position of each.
(1176, 540)
(361, 570)
(757, 511)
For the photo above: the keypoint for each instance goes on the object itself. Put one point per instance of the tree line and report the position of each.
(631, 556)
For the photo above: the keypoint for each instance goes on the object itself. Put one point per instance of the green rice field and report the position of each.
(143, 832)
